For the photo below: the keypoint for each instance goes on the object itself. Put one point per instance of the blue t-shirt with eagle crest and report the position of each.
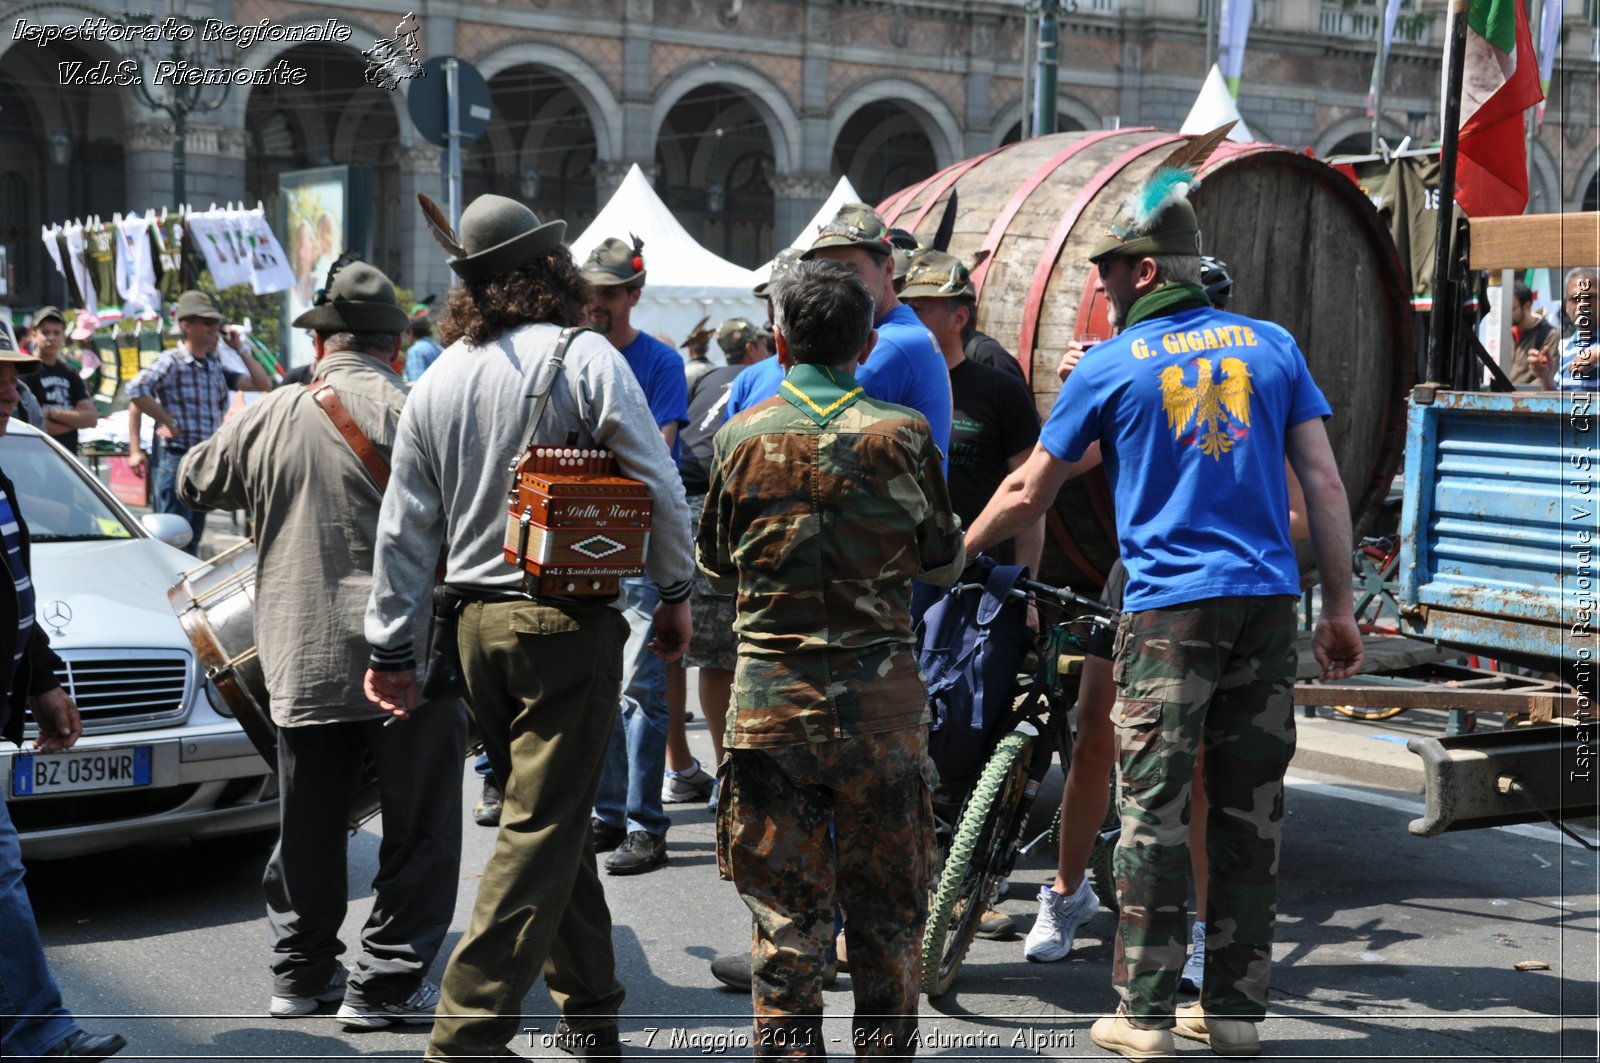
(1191, 410)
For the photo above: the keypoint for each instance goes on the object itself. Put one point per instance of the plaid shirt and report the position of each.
(194, 390)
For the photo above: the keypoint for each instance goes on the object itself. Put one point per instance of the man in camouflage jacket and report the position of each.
(822, 506)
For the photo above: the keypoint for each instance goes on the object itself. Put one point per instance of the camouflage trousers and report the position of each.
(773, 842)
(1217, 672)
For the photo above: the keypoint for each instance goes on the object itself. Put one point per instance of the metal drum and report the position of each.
(216, 605)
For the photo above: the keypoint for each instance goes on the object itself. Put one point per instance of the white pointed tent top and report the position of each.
(672, 256)
(1216, 106)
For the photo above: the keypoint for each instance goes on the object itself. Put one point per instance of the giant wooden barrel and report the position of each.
(1305, 247)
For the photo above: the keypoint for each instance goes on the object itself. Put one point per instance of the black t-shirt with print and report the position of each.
(58, 385)
(992, 419)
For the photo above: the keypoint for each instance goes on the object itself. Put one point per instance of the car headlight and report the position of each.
(218, 703)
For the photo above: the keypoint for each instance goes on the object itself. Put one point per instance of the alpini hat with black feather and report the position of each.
(1156, 220)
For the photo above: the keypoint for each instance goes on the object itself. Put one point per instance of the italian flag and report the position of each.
(1500, 82)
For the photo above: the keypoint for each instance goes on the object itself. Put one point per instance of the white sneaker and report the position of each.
(417, 1008)
(292, 1007)
(1051, 937)
(680, 788)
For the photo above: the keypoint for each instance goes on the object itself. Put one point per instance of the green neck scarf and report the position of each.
(1167, 299)
(820, 392)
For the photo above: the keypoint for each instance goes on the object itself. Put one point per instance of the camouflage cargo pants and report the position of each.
(1218, 672)
(772, 841)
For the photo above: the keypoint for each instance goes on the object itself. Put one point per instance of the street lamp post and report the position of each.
(1044, 100)
(179, 46)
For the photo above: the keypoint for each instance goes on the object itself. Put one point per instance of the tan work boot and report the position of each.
(1115, 1033)
(1227, 1037)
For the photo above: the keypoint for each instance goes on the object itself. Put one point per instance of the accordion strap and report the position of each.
(546, 384)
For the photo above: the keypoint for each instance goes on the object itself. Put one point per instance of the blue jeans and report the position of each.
(630, 788)
(32, 1018)
(166, 494)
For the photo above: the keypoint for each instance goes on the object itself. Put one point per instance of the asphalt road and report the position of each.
(1389, 947)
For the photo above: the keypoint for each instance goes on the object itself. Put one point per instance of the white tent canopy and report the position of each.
(684, 281)
(1216, 106)
(843, 192)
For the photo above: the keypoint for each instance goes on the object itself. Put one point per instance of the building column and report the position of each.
(638, 89)
(423, 266)
(213, 164)
(795, 198)
(813, 153)
(977, 135)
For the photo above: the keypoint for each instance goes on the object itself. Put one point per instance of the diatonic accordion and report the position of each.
(576, 527)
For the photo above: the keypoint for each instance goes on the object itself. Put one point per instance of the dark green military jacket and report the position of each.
(823, 504)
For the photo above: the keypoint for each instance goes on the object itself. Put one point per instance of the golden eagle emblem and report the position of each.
(1208, 404)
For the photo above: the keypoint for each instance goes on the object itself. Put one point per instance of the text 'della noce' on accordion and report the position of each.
(576, 528)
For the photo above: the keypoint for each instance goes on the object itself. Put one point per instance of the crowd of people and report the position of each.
(811, 497)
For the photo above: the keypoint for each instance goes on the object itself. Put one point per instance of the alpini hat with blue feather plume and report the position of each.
(1158, 218)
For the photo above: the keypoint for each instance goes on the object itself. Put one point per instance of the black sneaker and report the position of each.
(734, 972)
(606, 837)
(487, 811)
(638, 853)
(85, 1045)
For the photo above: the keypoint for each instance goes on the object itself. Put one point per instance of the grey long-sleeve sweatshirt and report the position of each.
(457, 439)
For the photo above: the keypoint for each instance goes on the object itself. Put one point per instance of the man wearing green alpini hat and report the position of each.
(316, 507)
(630, 823)
(1194, 410)
(906, 366)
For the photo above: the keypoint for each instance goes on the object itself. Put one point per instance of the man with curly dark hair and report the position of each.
(543, 674)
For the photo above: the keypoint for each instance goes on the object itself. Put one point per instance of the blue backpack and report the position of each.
(973, 641)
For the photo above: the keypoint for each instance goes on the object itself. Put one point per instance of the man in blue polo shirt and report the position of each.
(906, 366)
(629, 821)
(1193, 410)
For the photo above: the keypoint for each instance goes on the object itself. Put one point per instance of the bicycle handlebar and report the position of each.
(1063, 596)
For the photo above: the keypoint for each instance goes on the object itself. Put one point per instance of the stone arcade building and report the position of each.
(743, 112)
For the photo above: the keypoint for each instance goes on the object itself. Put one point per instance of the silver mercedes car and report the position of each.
(161, 756)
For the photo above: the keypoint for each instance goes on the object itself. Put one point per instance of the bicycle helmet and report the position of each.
(1216, 280)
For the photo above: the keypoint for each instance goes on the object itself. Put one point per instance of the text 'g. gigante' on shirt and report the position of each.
(1192, 410)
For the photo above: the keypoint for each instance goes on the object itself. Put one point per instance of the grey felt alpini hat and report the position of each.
(357, 298)
(615, 262)
(498, 235)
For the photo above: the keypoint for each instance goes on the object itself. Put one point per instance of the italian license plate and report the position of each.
(35, 774)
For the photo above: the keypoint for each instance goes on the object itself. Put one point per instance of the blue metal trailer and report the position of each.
(1499, 524)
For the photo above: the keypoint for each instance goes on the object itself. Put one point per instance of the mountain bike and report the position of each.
(990, 828)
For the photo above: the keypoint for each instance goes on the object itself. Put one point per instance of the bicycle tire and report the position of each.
(969, 870)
